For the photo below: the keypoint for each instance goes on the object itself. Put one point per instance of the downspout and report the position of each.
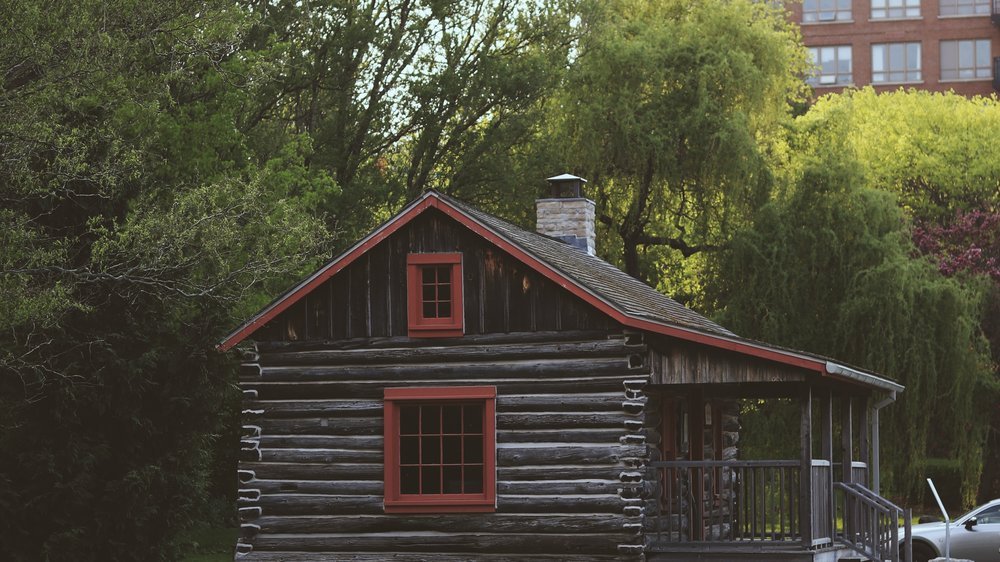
(876, 473)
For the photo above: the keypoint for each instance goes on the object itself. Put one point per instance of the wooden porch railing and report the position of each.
(724, 501)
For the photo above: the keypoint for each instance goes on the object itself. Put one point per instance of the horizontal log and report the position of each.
(576, 543)
(321, 426)
(328, 487)
(316, 504)
(549, 420)
(459, 353)
(560, 487)
(610, 436)
(541, 368)
(468, 339)
(314, 471)
(564, 472)
(375, 390)
(314, 408)
(562, 402)
(465, 523)
(285, 556)
(584, 503)
(322, 441)
(321, 455)
(558, 455)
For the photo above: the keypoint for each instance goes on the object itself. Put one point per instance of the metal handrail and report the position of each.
(871, 523)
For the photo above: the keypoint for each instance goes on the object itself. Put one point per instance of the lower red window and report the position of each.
(440, 449)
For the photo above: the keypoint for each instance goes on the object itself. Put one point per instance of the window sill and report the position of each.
(961, 80)
(826, 22)
(477, 506)
(914, 83)
(819, 86)
(435, 331)
(961, 16)
(912, 18)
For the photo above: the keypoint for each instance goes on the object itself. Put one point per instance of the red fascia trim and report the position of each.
(439, 503)
(622, 318)
(326, 272)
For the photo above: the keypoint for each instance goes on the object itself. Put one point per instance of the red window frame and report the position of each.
(421, 326)
(398, 502)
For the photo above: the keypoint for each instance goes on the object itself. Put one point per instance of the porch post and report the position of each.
(826, 420)
(863, 432)
(846, 454)
(846, 439)
(696, 452)
(805, 469)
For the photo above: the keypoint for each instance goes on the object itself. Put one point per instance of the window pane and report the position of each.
(409, 480)
(409, 420)
(444, 292)
(452, 479)
(897, 56)
(913, 56)
(430, 450)
(473, 479)
(472, 419)
(430, 480)
(444, 310)
(451, 451)
(983, 53)
(473, 449)
(430, 310)
(452, 419)
(430, 420)
(966, 56)
(409, 450)
(878, 58)
(428, 293)
(428, 275)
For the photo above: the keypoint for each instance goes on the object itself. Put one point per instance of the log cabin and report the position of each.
(454, 387)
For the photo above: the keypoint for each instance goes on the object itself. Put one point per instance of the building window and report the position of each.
(440, 449)
(965, 7)
(895, 9)
(434, 283)
(965, 60)
(895, 62)
(832, 66)
(826, 11)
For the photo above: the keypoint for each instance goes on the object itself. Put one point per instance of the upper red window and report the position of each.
(434, 290)
(440, 449)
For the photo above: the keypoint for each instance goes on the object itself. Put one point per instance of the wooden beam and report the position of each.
(826, 438)
(864, 431)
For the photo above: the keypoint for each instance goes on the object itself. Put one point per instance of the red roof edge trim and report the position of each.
(429, 199)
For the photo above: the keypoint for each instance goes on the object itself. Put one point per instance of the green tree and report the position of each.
(670, 111)
(138, 223)
(402, 96)
(830, 268)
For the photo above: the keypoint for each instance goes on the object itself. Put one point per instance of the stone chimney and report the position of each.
(567, 215)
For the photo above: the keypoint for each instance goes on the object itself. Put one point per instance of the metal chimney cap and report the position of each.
(565, 185)
(565, 177)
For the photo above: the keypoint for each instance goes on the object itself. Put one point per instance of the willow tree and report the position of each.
(830, 268)
(669, 111)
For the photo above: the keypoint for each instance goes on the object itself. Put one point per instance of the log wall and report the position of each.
(570, 449)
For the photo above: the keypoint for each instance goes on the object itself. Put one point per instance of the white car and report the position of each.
(974, 536)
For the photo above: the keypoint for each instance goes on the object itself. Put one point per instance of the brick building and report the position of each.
(935, 45)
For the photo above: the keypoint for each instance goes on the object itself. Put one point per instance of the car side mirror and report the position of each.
(970, 523)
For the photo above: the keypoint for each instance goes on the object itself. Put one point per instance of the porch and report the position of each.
(821, 506)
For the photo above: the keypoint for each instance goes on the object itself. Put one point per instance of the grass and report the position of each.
(210, 544)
